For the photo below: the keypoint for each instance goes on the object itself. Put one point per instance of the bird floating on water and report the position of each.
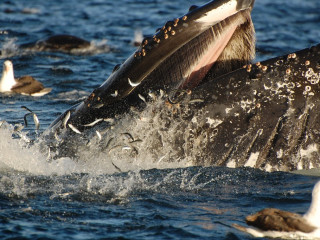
(25, 85)
(275, 223)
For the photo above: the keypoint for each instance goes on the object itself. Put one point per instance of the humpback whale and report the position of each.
(61, 42)
(232, 113)
(67, 44)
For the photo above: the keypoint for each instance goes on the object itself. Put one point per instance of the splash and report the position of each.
(9, 48)
(138, 37)
(152, 138)
(18, 154)
(71, 96)
(137, 141)
(95, 47)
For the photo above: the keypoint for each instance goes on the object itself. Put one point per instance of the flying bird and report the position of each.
(25, 85)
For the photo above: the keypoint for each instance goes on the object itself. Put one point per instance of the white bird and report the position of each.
(275, 223)
(25, 85)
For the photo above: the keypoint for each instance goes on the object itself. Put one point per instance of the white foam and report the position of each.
(95, 47)
(71, 96)
(231, 163)
(17, 154)
(213, 122)
(9, 48)
(252, 160)
(138, 36)
(309, 150)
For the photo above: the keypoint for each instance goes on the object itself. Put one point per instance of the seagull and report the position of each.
(275, 223)
(25, 85)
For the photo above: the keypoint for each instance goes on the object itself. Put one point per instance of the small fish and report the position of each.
(162, 93)
(36, 121)
(49, 154)
(65, 120)
(24, 107)
(73, 128)
(178, 96)
(99, 105)
(116, 167)
(172, 102)
(142, 98)
(109, 120)
(23, 137)
(35, 118)
(64, 194)
(56, 136)
(161, 158)
(99, 135)
(135, 150)
(107, 145)
(198, 100)
(153, 96)
(128, 135)
(132, 84)
(25, 119)
(114, 94)
(114, 147)
(93, 123)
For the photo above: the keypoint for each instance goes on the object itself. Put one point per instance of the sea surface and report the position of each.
(124, 198)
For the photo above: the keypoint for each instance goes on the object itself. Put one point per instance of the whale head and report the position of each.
(205, 43)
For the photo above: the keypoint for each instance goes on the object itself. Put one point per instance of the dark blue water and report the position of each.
(90, 199)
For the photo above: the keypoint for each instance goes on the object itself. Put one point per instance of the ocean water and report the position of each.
(118, 196)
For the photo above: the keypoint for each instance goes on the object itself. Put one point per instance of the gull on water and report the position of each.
(275, 223)
(25, 85)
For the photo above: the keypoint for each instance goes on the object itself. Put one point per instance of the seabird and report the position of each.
(275, 223)
(25, 85)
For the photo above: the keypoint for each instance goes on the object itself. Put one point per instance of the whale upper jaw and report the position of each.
(218, 36)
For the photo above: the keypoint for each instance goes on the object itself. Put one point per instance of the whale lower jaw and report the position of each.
(220, 45)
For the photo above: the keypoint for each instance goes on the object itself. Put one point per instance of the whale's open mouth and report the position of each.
(224, 47)
(209, 40)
